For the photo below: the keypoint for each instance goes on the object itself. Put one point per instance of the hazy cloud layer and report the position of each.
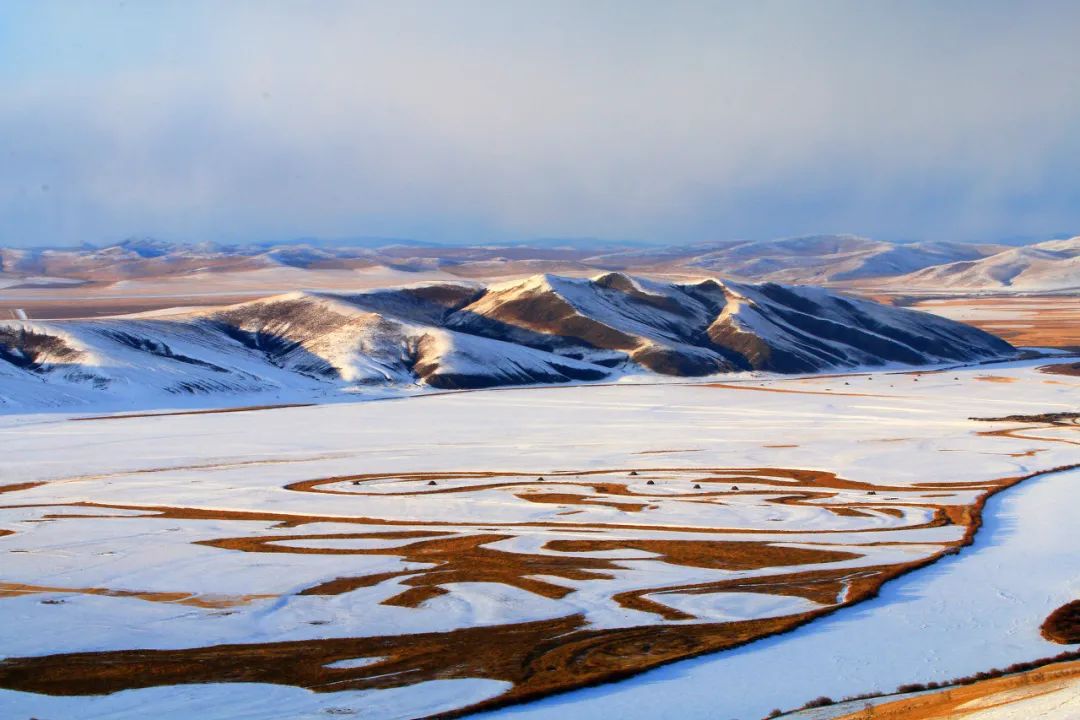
(463, 121)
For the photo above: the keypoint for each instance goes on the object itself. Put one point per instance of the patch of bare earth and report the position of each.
(1063, 625)
(1062, 369)
(8, 589)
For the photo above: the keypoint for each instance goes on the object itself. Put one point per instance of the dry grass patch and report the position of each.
(957, 702)
(1063, 625)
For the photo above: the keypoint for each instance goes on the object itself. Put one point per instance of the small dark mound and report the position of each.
(1062, 369)
(697, 487)
(650, 483)
(432, 482)
(734, 487)
(1053, 418)
(633, 472)
(1063, 625)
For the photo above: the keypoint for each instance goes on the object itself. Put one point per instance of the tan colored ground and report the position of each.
(179, 598)
(1035, 321)
(1051, 692)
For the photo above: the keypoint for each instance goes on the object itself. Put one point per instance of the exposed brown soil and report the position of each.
(995, 378)
(537, 657)
(957, 702)
(1063, 625)
(715, 554)
(1058, 419)
(1033, 321)
(456, 559)
(572, 499)
(1062, 369)
(16, 487)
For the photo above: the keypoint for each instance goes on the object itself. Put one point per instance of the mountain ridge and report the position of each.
(541, 329)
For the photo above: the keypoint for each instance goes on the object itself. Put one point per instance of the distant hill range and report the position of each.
(845, 261)
(540, 329)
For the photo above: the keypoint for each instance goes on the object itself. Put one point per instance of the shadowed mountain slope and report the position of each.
(543, 329)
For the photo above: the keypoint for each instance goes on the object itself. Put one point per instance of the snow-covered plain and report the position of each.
(61, 570)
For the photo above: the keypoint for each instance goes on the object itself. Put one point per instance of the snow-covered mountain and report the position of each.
(543, 329)
(1052, 265)
(818, 259)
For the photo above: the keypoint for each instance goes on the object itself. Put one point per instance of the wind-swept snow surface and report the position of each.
(536, 540)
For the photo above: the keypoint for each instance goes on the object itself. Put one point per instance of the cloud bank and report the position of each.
(478, 121)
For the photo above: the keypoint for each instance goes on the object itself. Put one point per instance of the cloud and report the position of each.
(483, 120)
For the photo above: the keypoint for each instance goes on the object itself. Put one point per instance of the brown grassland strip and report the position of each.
(17, 487)
(214, 411)
(9, 589)
(1043, 321)
(958, 701)
(760, 476)
(455, 559)
(572, 499)
(537, 658)
(715, 554)
(826, 587)
(290, 520)
(1017, 434)
(1062, 369)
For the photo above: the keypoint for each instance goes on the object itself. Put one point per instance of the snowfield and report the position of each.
(400, 558)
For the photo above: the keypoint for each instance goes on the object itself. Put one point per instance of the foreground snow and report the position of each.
(963, 614)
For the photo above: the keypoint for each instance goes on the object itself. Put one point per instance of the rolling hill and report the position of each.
(1052, 265)
(543, 329)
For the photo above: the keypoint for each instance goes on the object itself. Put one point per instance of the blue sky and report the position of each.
(479, 121)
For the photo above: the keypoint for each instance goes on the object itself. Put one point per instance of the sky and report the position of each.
(459, 121)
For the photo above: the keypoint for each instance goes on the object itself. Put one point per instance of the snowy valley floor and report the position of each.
(404, 558)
